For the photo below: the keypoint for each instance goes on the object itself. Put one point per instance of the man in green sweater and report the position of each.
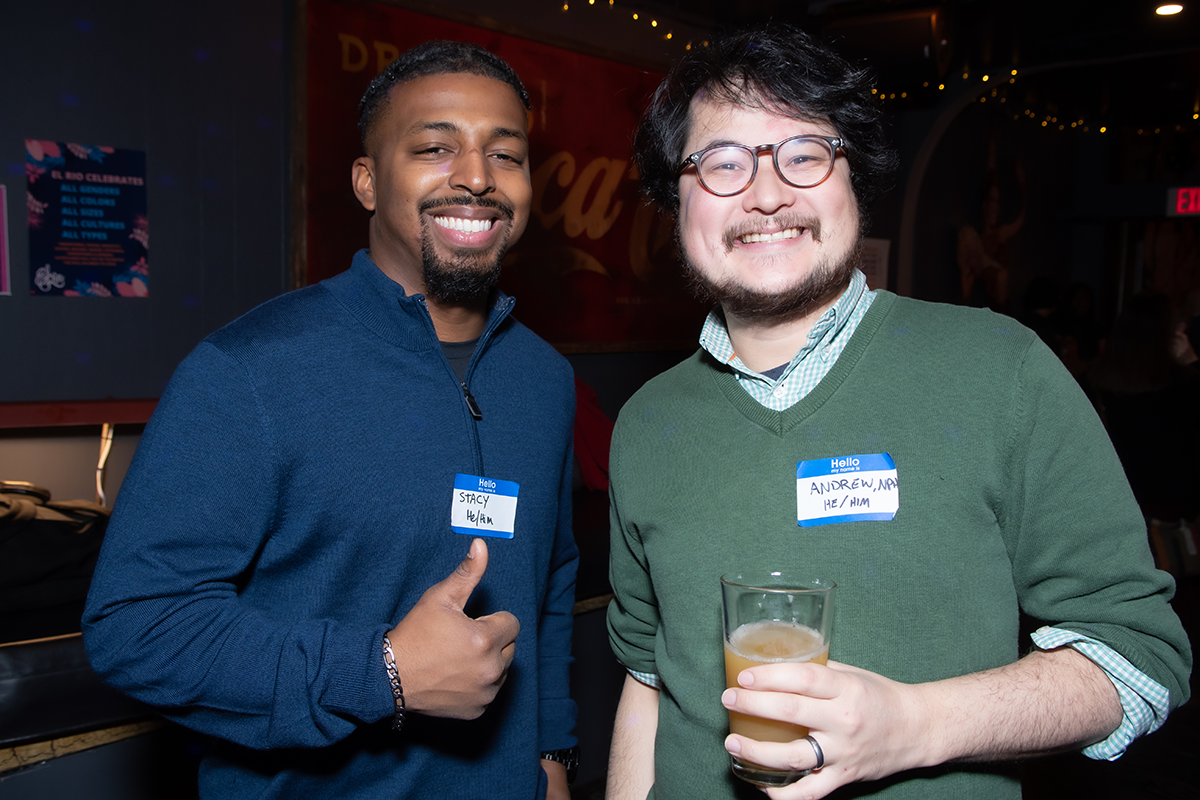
(990, 486)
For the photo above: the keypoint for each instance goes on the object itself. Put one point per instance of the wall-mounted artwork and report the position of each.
(89, 235)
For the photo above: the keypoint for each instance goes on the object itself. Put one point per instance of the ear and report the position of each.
(362, 177)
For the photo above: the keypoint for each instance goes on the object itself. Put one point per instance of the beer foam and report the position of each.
(774, 641)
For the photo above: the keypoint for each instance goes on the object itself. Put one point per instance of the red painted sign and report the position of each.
(596, 266)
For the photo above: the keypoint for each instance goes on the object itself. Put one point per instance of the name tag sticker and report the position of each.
(484, 506)
(846, 489)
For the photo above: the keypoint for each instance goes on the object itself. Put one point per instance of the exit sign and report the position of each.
(1183, 201)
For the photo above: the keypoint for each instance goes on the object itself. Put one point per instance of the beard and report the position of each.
(826, 280)
(466, 275)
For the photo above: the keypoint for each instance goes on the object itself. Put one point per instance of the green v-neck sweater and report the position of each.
(1010, 499)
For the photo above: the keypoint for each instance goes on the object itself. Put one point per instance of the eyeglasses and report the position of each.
(801, 161)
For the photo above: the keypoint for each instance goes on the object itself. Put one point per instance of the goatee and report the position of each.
(823, 284)
(468, 275)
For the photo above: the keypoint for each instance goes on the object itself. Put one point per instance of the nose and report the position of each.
(767, 193)
(472, 173)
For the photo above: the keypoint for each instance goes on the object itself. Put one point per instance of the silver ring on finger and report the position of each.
(817, 751)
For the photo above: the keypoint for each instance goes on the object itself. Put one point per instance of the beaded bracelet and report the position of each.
(389, 662)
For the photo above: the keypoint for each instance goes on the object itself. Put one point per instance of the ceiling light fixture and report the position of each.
(1168, 9)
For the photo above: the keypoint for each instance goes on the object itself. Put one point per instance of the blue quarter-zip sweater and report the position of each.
(290, 502)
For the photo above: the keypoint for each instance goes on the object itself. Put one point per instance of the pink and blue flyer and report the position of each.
(89, 235)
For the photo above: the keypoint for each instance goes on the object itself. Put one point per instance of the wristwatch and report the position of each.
(569, 758)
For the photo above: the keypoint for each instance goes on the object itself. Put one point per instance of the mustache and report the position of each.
(777, 222)
(506, 210)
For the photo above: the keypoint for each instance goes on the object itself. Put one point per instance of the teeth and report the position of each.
(778, 236)
(465, 225)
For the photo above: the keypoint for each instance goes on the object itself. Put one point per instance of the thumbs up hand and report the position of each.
(451, 665)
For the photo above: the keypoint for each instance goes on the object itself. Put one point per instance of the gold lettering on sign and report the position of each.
(600, 214)
(355, 54)
(351, 43)
(385, 53)
(541, 176)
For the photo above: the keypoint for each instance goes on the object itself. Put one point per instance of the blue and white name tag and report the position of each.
(845, 489)
(483, 506)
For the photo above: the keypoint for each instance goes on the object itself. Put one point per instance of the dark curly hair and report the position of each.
(777, 68)
(437, 57)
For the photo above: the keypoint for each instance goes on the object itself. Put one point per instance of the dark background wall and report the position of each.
(202, 89)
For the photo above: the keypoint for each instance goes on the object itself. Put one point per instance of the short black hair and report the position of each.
(777, 68)
(437, 57)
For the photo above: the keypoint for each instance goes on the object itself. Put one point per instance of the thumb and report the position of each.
(466, 576)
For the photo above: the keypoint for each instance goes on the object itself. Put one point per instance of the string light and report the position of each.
(668, 36)
(1048, 121)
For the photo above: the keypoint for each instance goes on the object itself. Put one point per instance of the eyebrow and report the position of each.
(498, 132)
(722, 143)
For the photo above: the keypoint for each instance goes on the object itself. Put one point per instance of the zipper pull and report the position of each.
(472, 406)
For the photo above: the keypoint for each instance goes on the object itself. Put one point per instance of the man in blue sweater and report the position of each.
(285, 568)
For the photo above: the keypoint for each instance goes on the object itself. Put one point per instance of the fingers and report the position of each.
(502, 629)
(810, 680)
(796, 756)
(783, 706)
(457, 587)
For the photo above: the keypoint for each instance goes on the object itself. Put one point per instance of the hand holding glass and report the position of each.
(771, 617)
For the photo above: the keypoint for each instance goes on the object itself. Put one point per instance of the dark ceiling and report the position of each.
(1113, 61)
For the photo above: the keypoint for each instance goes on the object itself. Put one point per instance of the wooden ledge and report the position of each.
(15, 757)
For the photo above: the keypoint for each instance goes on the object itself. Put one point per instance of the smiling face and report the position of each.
(773, 252)
(447, 175)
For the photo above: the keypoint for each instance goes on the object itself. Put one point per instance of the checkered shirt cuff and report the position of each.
(648, 678)
(1144, 700)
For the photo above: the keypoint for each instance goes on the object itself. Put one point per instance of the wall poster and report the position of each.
(89, 235)
(595, 268)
